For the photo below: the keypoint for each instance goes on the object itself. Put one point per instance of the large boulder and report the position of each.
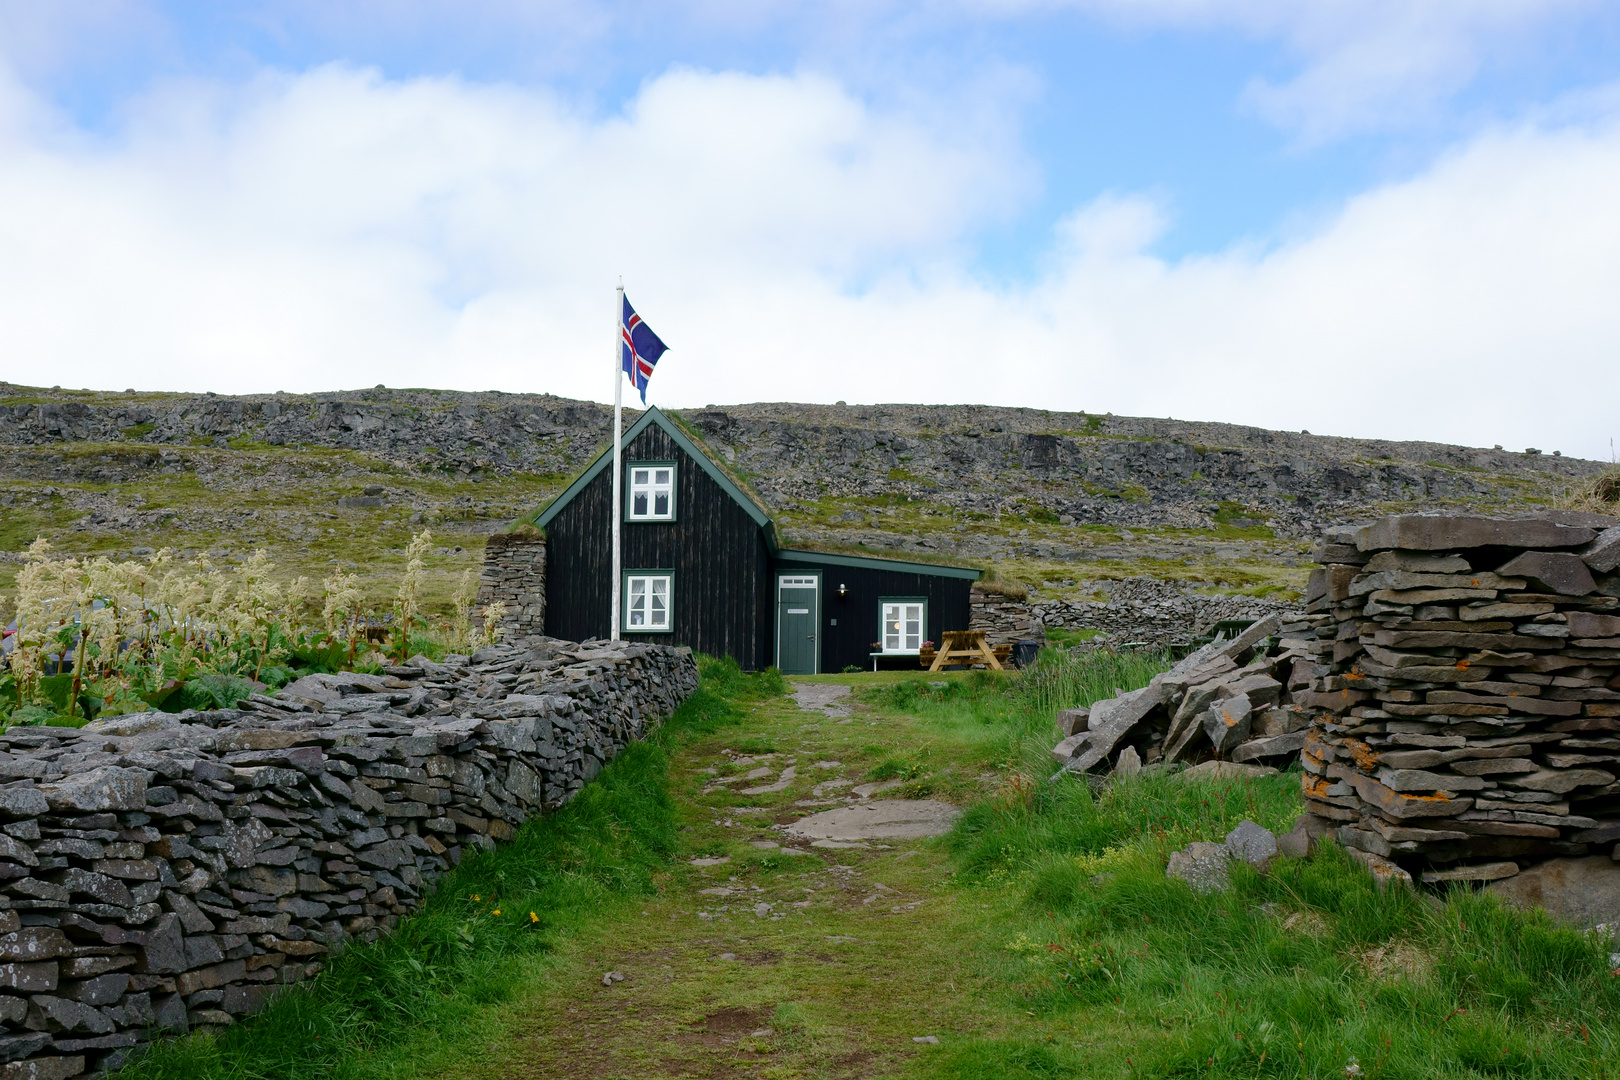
(1578, 892)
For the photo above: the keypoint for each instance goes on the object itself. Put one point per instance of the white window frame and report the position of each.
(901, 607)
(642, 479)
(641, 591)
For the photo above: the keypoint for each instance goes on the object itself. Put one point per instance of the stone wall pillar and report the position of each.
(1005, 620)
(515, 574)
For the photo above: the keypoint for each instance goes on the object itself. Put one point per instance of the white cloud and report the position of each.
(1365, 65)
(336, 229)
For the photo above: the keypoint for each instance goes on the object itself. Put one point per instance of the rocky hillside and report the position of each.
(1056, 499)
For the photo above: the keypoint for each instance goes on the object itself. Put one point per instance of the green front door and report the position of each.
(798, 618)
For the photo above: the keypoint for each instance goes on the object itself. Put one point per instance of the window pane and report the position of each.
(638, 504)
(891, 627)
(663, 477)
(660, 504)
(638, 476)
(660, 603)
(638, 602)
(913, 626)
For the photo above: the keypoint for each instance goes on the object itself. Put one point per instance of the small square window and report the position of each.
(647, 602)
(651, 494)
(903, 624)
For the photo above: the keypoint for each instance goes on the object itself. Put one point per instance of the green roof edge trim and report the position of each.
(874, 562)
(654, 415)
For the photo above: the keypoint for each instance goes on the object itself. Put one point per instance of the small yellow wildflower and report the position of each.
(497, 911)
(533, 917)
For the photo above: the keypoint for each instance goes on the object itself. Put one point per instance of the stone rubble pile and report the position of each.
(1236, 700)
(1467, 673)
(161, 872)
(1151, 611)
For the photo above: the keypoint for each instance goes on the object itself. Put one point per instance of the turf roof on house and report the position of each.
(739, 490)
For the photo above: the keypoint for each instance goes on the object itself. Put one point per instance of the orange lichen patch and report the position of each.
(1365, 756)
(1315, 787)
(1438, 796)
(1355, 673)
(1463, 665)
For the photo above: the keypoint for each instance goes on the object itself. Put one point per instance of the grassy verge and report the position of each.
(1308, 971)
(422, 993)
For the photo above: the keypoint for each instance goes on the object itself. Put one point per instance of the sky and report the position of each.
(1379, 218)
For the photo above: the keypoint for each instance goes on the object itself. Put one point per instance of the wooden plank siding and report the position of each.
(849, 642)
(723, 582)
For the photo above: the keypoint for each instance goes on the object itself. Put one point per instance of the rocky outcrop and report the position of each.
(441, 430)
(1008, 465)
(1466, 678)
(163, 872)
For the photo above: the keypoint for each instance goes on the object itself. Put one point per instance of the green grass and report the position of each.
(1039, 939)
(367, 1014)
(1299, 973)
(1063, 637)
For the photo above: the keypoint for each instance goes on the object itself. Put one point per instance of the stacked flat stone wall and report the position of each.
(162, 872)
(1005, 620)
(1467, 673)
(1152, 611)
(515, 575)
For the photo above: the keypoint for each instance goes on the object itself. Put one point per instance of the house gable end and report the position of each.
(651, 417)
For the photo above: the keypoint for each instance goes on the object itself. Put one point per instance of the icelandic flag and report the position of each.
(639, 348)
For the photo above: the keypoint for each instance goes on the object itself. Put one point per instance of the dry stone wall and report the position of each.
(1151, 611)
(514, 575)
(1006, 621)
(1467, 673)
(162, 872)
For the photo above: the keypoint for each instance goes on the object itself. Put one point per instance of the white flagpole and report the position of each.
(616, 509)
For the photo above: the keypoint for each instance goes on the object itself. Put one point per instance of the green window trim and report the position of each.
(922, 625)
(631, 468)
(649, 575)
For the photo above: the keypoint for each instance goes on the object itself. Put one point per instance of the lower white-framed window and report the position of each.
(648, 601)
(904, 621)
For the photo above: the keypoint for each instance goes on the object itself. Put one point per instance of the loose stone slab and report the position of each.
(1202, 866)
(1495, 871)
(1225, 770)
(885, 819)
(1434, 532)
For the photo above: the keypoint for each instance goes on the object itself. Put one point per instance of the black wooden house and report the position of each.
(702, 567)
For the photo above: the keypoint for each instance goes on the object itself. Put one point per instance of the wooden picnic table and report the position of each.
(965, 647)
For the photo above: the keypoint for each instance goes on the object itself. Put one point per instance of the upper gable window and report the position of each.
(651, 495)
